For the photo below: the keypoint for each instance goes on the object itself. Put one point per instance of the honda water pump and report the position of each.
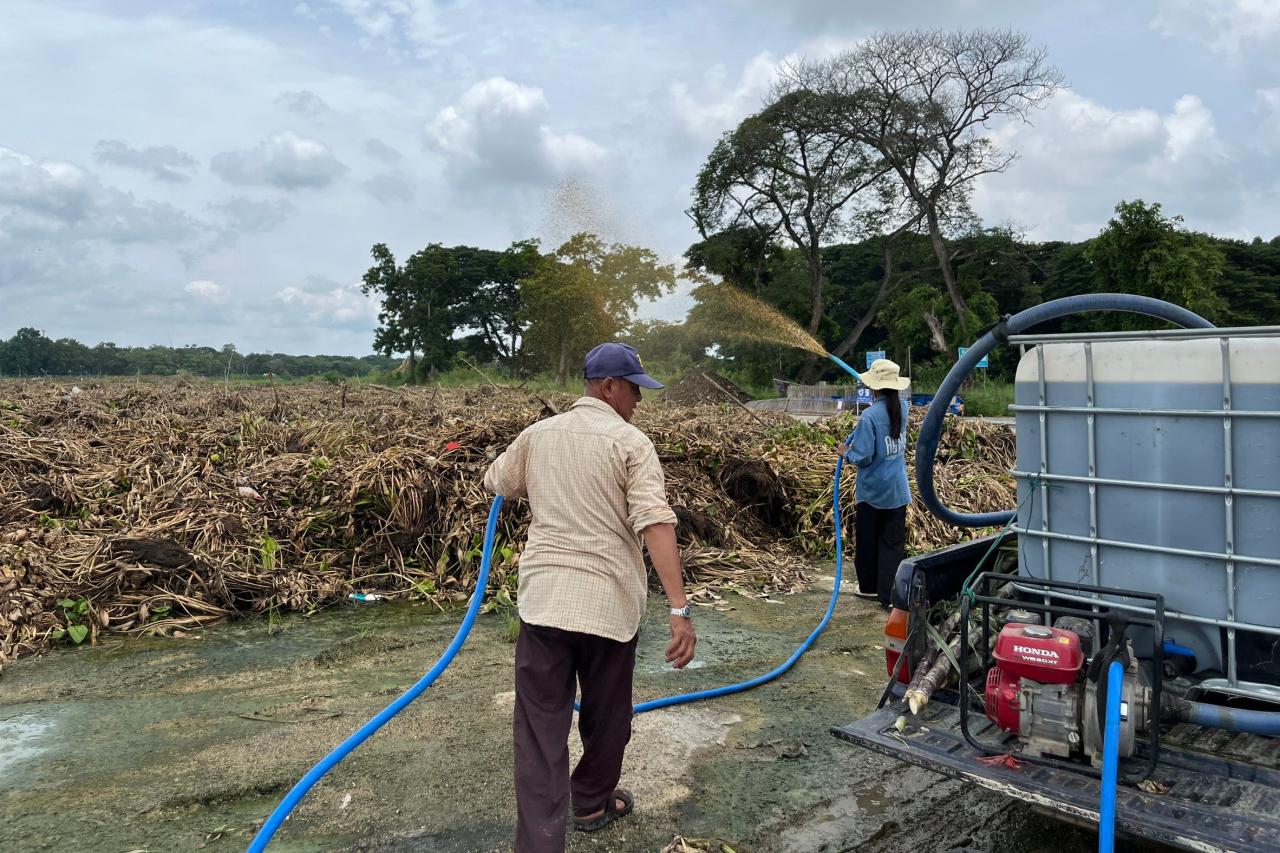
(1038, 690)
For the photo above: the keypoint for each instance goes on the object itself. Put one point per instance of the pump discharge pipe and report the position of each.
(295, 795)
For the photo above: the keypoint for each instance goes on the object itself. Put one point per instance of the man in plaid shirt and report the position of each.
(595, 490)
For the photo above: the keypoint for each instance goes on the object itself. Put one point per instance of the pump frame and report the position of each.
(984, 588)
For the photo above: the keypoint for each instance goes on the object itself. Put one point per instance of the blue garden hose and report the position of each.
(729, 689)
(299, 790)
(1110, 759)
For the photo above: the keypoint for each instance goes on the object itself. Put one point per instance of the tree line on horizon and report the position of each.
(30, 353)
(520, 312)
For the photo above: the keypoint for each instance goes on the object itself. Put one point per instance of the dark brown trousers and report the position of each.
(548, 663)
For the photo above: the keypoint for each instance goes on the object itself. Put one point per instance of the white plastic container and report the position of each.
(1157, 468)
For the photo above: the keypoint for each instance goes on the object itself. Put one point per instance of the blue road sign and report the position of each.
(982, 363)
(872, 355)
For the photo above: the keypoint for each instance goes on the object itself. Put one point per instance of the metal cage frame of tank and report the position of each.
(1231, 685)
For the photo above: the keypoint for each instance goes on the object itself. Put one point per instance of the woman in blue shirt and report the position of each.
(878, 448)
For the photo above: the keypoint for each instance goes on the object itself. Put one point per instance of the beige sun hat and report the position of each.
(883, 374)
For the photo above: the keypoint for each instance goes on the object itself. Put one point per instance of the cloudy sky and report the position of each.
(210, 172)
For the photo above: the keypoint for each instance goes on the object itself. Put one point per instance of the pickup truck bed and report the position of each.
(1215, 800)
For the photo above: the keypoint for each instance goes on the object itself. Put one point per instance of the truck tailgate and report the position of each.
(1212, 802)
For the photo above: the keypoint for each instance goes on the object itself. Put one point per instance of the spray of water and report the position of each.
(730, 312)
(573, 206)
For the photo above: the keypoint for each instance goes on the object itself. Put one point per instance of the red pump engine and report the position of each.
(1032, 692)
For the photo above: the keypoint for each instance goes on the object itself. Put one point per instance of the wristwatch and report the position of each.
(686, 611)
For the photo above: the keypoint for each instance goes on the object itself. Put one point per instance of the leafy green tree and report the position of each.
(28, 353)
(397, 327)
(739, 254)
(495, 308)
(920, 316)
(1251, 282)
(108, 359)
(1142, 251)
(445, 300)
(864, 276)
(585, 293)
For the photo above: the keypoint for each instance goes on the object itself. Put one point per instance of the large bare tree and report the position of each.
(790, 169)
(923, 101)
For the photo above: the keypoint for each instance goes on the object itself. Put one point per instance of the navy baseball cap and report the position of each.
(617, 360)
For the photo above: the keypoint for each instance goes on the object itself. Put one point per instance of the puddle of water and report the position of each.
(852, 818)
(659, 666)
(19, 739)
(873, 800)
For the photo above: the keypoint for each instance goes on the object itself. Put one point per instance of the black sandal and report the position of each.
(611, 812)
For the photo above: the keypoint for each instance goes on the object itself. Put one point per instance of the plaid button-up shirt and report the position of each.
(594, 484)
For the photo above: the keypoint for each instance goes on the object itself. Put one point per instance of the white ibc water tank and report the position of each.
(1154, 465)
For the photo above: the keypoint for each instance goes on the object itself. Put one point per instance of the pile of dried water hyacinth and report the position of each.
(168, 506)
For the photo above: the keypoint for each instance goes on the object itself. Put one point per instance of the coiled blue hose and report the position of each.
(1110, 759)
(931, 427)
(298, 791)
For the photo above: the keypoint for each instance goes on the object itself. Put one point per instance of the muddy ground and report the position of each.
(186, 744)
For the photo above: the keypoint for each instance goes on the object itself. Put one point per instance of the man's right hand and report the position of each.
(683, 639)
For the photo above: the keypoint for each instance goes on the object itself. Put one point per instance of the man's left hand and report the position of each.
(683, 639)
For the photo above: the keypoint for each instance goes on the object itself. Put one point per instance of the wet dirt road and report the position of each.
(186, 744)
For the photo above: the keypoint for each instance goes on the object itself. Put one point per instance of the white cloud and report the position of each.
(209, 291)
(497, 133)
(164, 162)
(284, 160)
(380, 150)
(1080, 158)
(399, 26)
(304, 102)
(722, 104)
(718, 103)
(253, 216)
(1228, 27)
(54, 198)
(332, 304)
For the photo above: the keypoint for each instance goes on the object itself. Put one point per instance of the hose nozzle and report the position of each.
(841, 363)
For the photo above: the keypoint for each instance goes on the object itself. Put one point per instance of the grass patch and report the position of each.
(989, 399)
